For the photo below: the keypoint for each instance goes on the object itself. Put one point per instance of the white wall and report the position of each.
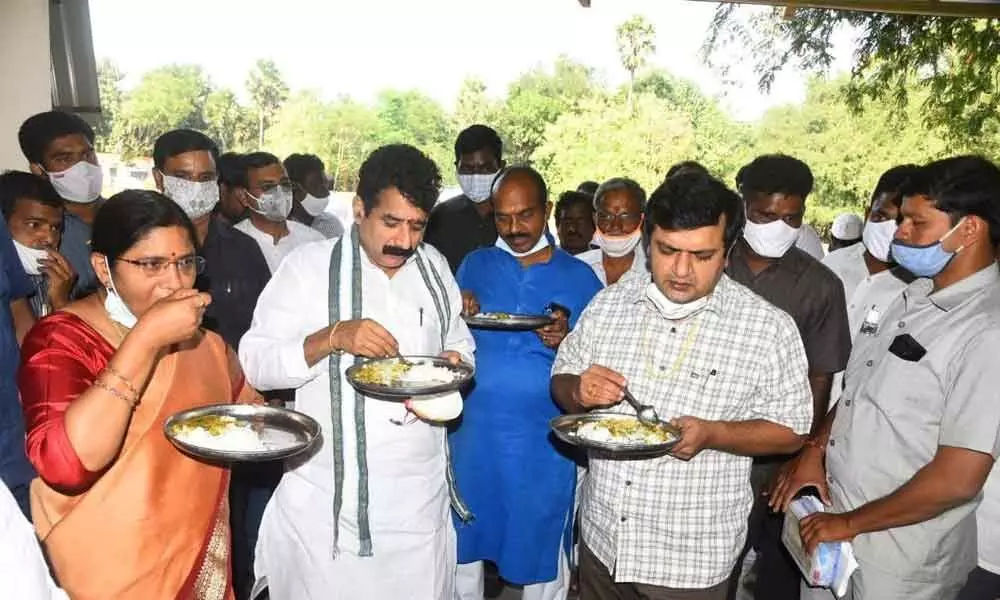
(25, 87)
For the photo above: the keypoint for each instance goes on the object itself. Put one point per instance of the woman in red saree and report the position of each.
(121, 513)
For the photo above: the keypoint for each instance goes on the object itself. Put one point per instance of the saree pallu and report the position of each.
(155, 524)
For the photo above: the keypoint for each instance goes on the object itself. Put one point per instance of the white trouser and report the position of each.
(470, 583)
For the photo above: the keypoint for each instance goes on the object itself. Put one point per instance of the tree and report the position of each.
(537, 99)
(474, 105)
(951, 60)
(414, 118)
(228, 122)
(165, 98)
(109, 79)
(268, 91)
(606, 139)
(635, 45)
(342, 133)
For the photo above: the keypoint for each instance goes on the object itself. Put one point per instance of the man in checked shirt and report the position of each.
(729, 369)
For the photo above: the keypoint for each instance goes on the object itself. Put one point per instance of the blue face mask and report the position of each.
(924, 261)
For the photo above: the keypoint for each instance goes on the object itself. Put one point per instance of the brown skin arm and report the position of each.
(953, 477)
(820, 384)
(756, 437)
(24, 319)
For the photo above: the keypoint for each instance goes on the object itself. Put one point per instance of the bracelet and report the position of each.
(123, 379)
(117, 394)
(329, 338)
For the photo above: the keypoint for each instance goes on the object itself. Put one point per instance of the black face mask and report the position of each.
(397, 251)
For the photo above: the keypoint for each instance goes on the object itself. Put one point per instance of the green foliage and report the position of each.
(230, 124)
(109, 79)
(165, 98)
(635, 46)
(268, 90)
(947, 64)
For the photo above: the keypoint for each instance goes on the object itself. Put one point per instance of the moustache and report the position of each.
(517, 237)
(397, 251)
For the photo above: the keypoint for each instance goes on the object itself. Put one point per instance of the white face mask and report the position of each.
(670, 309)
(80, 183)
(877, 238)
(542, 243)
(476, 187)
(770, 240)
(617, 246)
(313, 205)
(116, 307)
(30, 257)
(274, 204)
(196, 198)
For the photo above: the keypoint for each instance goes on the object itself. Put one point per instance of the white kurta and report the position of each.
(22, 568)
(595, 260)
(298, 235)
(412, 533)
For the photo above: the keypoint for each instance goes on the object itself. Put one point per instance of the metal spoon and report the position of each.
(647, 414)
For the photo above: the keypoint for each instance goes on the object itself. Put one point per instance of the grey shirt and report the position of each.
(801, 286)
(897, 410)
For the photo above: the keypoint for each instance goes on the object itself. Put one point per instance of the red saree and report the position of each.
(155, 523)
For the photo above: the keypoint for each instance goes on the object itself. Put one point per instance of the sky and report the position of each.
(359, 47)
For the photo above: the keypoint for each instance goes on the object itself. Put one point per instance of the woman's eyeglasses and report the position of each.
(186, 265)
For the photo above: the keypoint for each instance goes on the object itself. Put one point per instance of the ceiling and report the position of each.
(956, 8)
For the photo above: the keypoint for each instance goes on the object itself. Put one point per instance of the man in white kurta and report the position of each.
(410, 550)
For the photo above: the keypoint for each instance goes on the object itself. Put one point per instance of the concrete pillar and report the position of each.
(25, 80)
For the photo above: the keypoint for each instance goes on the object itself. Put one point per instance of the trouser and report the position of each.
(776, 576)
(596, 583)
(981, 585)
(22, 496)
(250, 488)
(470, 583)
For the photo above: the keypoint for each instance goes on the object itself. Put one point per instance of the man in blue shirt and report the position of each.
(15, 320)
(60, 147)
(515, 481)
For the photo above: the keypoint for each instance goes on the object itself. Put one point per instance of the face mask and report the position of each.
(542, 243)
(80, 183)
(116, 307)
(670, 309)
(925, 261)
(617, 246)
(30, 257)
(197, 198)
(476, 187)
(770, 240)
(877, 237)
(313, 205)
(275, 204)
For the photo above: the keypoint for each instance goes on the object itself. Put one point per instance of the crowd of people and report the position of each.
(860, 375)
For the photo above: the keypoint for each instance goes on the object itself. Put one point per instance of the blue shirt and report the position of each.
(75, 246)
(15, 470)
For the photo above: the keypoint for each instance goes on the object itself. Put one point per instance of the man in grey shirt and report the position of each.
(904, 455)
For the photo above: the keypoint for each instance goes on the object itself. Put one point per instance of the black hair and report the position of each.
(179, 141)
(966, 185)
(403, 167)
(38, 131)
(691, 200)
(621, 183)
(535, 177)
(128, 216)
(686, 165)
(776, 174)
(573, 198)
(892, 181)
(299, 166)
(231, 170)
(256, 160)
(18, 185)
(588, 187)
(478, 137)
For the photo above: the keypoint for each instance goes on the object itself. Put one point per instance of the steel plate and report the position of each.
(286, 432)
(402, 391)
(510, 322)
(565, 426)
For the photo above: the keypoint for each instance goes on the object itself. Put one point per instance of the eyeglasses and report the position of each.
(186, 265)
(606, 220)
